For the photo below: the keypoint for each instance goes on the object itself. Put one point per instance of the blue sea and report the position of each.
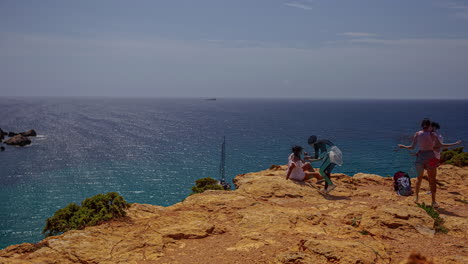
(152, 150)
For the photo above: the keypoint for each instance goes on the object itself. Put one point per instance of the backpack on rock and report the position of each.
(402, 183)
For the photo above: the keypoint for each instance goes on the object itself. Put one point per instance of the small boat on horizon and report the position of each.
(210, 99)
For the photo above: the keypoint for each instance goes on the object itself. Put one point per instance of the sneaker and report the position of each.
(429, 193)
(416, 199)
(330, 188)
(435, 205)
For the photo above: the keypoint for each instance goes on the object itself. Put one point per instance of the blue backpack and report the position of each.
(402, 183)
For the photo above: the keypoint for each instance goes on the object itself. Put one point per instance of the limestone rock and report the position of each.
(272, 220)
(18, 140)
(29, 133)
(338, 251)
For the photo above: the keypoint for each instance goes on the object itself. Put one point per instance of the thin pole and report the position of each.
(222, 166)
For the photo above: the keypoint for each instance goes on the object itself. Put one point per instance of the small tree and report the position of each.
(93, 211)
(204, 184)
(455, 157)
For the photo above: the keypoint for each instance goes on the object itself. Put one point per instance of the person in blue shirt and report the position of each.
(326, 151)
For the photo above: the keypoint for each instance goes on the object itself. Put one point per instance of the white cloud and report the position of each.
(458, 6)
(434, 42)
(299, 5)
(358, 34)
(154, 66)
(461, 10)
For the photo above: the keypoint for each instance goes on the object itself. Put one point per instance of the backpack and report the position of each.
(402, 183)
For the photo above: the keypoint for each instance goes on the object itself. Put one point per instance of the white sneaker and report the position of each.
(435, 205)
(330, 188)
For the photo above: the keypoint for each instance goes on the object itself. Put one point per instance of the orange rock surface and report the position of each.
(268, 219)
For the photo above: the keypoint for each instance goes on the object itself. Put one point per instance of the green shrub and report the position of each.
(438, 221)
(275, 167)
(94, 210)
(356, 221)
(459, 160)
(364, 232)
(454, 157)
(204, 184)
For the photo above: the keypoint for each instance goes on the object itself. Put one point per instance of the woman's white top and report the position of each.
(297, 173)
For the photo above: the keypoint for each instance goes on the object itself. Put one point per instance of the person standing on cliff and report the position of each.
(425, 140)
(438, 148)
(298, 169)
(330, 154)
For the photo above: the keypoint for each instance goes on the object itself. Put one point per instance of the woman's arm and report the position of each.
(413, 144)
(447, 145)
(290, 168)
(309, 158)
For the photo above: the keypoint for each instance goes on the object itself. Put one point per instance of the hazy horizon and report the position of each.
(234, 98)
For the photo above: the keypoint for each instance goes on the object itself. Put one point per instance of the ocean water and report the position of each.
(152, 150)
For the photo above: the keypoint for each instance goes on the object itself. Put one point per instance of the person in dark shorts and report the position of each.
(425, 140)
(326, 151)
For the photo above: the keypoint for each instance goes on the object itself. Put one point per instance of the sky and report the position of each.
(240, 48)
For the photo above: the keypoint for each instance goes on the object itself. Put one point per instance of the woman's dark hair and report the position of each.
(425, 123)
(435, 125)
(297, 151)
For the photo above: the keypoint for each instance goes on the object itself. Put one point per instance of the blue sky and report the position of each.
(255, 48)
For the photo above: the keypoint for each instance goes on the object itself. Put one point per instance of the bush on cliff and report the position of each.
(94, 210)
(455, 157)
(204, 184)
(438, 221)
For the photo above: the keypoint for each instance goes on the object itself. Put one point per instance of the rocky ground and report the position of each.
(271, 220)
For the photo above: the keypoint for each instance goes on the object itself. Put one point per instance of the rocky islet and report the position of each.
(16, 139)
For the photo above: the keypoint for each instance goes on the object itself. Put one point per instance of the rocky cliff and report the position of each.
(268, 219)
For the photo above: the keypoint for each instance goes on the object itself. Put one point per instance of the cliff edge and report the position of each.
(268, 219)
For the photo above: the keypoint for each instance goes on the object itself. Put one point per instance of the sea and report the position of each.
(151, 150)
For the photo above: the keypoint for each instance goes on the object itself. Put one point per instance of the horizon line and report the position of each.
(236, 97)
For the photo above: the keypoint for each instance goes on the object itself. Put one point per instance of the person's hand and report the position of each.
(458, 142)
(401, 146)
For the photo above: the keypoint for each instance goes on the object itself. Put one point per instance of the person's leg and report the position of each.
(323, 171)
(432, 173)
(308, 169)
(309, 175)
(420, 172)
(329, 187)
